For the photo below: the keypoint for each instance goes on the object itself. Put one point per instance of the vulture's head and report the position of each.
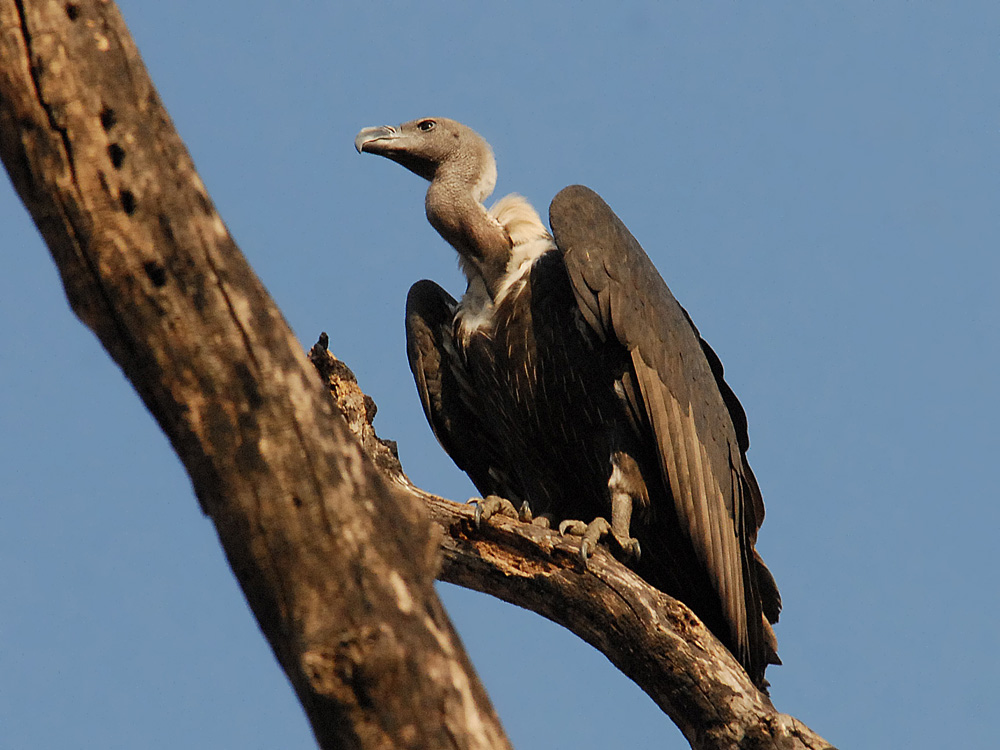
(435, 148)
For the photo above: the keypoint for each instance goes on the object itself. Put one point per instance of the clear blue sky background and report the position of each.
(817, 182)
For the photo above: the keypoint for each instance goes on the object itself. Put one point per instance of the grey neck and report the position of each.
(459, 217)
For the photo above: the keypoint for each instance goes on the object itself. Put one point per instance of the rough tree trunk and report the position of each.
(335, 552)
(337, 565)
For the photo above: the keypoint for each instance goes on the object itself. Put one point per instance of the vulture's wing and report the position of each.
(444, 392)
(698, 425)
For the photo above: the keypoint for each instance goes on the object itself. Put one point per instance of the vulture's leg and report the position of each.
(625, 487)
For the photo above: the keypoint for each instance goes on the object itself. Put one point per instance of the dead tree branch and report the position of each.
(654, 639)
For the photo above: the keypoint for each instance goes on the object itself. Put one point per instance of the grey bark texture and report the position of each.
(335, 550)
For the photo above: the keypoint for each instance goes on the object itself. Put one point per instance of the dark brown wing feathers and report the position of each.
(448, 404)
(697, 422)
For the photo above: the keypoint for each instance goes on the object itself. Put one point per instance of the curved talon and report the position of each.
(572, 527)
(631, 548)
(592, 534)
(477, 510)
(595, 531)
(487, 507)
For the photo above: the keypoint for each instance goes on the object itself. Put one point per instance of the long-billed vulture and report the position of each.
(569, 378)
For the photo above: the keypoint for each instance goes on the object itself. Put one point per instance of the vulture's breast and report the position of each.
(546, 387)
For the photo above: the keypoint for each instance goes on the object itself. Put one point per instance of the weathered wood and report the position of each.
(337, 564)
(654, 639)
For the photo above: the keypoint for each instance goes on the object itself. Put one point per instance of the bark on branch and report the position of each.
(335, 552)
(654, 639)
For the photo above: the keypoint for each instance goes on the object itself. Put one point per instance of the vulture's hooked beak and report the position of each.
(368, 136)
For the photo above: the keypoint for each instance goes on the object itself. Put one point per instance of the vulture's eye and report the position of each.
(426, 125)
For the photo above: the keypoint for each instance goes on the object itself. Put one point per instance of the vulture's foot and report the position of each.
(525, 515)
(487, 507)
(594, 532)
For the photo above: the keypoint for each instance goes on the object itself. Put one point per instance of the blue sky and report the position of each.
(818, 183)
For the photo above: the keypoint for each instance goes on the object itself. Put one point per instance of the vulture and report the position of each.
(568, 379)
